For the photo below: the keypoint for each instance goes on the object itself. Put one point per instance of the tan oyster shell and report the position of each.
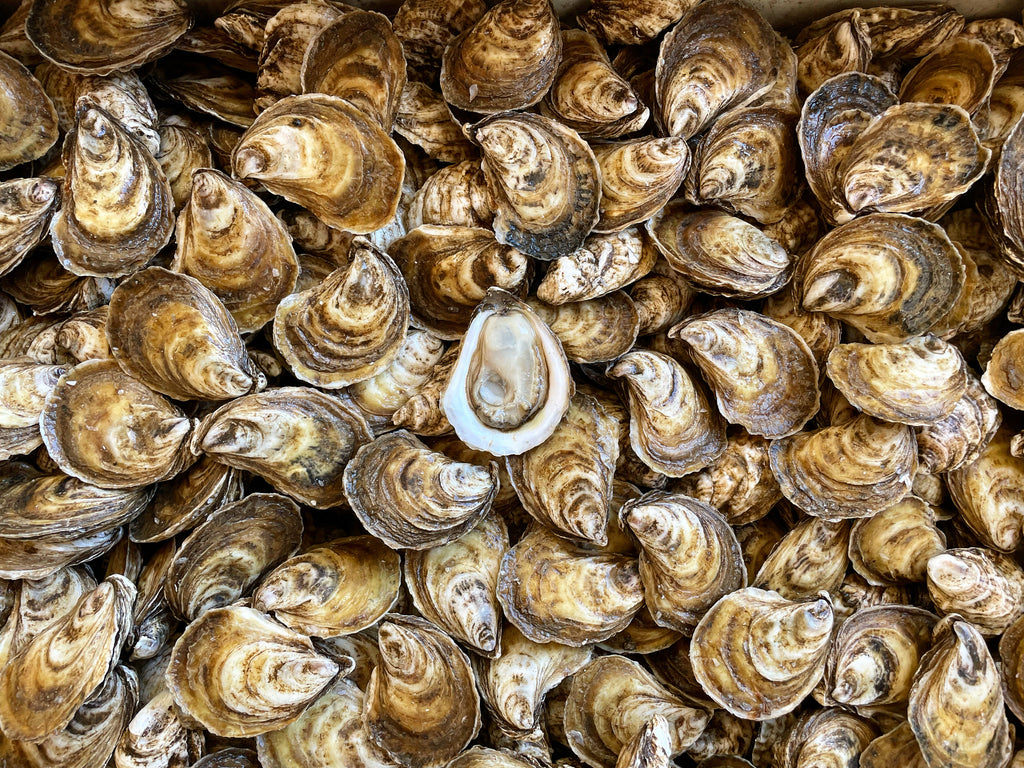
(662, 298)
(897, 747)
(890, 276)
(985, 588)
(26, 206)
(545, 181)
(297, 438)
(611, 700)
(649, 748)
(24, 387)
(844, 46)
(275, 672)
(84, 336)
(602, 265)
(1001, 379)
(421, 704)
(228, 239)
(40, 282)
(208, 87)
(689, 556)
(722, 54)
(175, 336)
(956, 702)
(961, 71)
(157, 732)
(152, 615)
(1010, 656)
(423, 117)
(630, 22)
(809, 559)
(556, 591)
(455, 194)
(64, 664)
(594, 330)
(895, 545)
(758, 655)
(421, 414)
(958, 439)
(720, 253)
(425, 28)
(29, 118)
(324, 154)
(116, 207)
(506, 60)
(638, 177)
(829, 735)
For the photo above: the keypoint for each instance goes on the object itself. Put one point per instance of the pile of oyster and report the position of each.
(474, 388)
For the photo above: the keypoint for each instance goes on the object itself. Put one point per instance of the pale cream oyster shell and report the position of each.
(226, 556)
(1001, 377)
(511, 384)
(956, 702)
(448, 499)
(421, 703)
(297, 438)
(350, 326)
(809, 559)
(610, 701)
(174, 335)
(228, 239)
(557, 591)
(323, 153)
(28, 115)
(759, 655)
(26, 206)
(506, 60)
(983, 587)
(894, 546)
(275, 673)
(454, 585)
(116, 207)
(604, 263)
(544, 179)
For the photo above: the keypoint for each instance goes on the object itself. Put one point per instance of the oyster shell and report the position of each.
(296, 438)
(722, 54)
(41, 283)
(425, 28)
(630, 22)
(423, 118)
(897, 747)
(421, 414)
(844, 46)
(84, 336)
(455, 194)
(157, 734)
(228, 240)
(895, 545)
(175, 336)
(638, 177)
(211, 88)
(604, 264)
(958, 439)
(544, 179)
(983, 587)
(26, 206)
(1001, 378)
(323, 153)
(809, 559)
(557, 591)
(662, 298)
(24, 387)
(116, 207)
(594, 330)
(758, 655)
(348, 328)
(421, 704)
(825, 736)
(961, 71)
(275, 672)
(506, 60)
(511, 384)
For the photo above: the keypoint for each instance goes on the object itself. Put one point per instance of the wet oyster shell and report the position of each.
(208, 87)
(24, 387)
(809, 559)
(28, 117)
(348, 328)
(506, 60)
(454, 585)
(26, 206)
(275, 673)
(897, 747)
(323, 153)
(958, 439)
(337, 588)
(895, 545)
(638, 177)
(961, 71)
(296, 438)
(956, 703)
(423, 117)
(758, 655)
(544, 179)
(116, 206)
(175, 336)
(1001, 377)
(556, 591)
(41, 283)
(985, 588)
(722, 54)
(222, 559)
(425, 28)
(182, 151)
(228, 240)
(662, 298)
(602, 265)
(829, 736)
(421, 704)
(84, 336)
(610, 701)
(843, 46)
(455, 194)
(890, 276)
(421, 414)
(630, 22)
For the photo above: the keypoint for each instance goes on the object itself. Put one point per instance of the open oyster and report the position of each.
(323, 153)
(511, 384)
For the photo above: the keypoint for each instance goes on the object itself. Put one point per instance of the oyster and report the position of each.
(960, 72)
(638, 177)
(506, 60)
(275, 673)
(348, 328)
(455, 194)
(421, 704)
(228, 240)
(758, 655)
(544, 179)
(421, 414)
(323, 153)
(890, 276)
(222, 559)
(447, 500)
(24, 387)
(103, 426)
(210, 88)
(593, 330)
(1001, 378)
(828, 736)
(983, 587)
(157, 733)
(425, 28)
(662, 298)
(424, 119)
(116, 208)
(511, 384)
(958, 439)
(689, 556)
(843, 46)
(722, 54)
(175, 336)
(556, 591)
(41, 283)
(604, 263)
(630, 22)
(897, 747)
(26, 206)
(27, 114)
(811, 558)
(297, 438)
(895, 545)
(720, 253)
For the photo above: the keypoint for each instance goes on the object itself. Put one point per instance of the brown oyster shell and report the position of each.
(423, 118)
(455, 194)
(44, 285)
(275, 672)
(421, 704)
(851, 470)
(961, 71)
(843, 46)
(809, 559)
(897, 747)
(228, 240)
(1001, 378)
(895, 545)
(602, 265)
(506, 60)
(425, 28)
(26, 206)
(84, 336)
(421, 414)
(157, 732)
(296, 438)
(662, 298)
(958, 439)
(825, 736)
(593, 330)
(174, 335)
(638, 177)
(983, 587)
(630, 22)
(182, 151)
(324, 154)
